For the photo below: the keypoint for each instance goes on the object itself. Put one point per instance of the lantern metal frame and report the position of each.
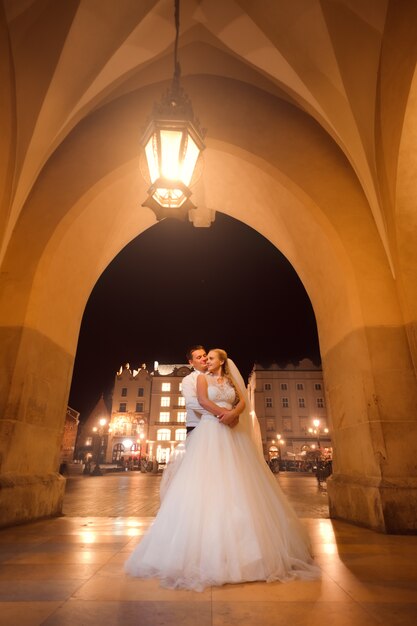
(174, 113)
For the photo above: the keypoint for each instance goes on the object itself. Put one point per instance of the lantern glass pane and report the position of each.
(151, 152)
(190, 159)
(169, 197)
(170, 154)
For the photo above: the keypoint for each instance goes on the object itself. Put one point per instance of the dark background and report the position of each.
(176, 285)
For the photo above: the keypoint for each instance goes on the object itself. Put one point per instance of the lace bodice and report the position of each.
(223, 394)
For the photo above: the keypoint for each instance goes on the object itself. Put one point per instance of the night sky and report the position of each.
(176, 285)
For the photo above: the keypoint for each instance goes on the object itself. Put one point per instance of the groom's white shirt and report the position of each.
(189, 391)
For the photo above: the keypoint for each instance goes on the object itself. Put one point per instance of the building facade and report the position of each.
(147, 414)
(291, 408)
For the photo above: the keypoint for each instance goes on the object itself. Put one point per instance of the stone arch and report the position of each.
(299, 192)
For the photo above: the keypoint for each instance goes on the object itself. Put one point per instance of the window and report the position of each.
(165, 401)
(285, 403)
(180, 387)
(163, 434)
(124, 391)
(301, 403)
(320, 403)
(180, 434)
(300, 386)
(268, 403)
(287, 425)
(166, 387)
(270, 424)
(181, 401)
(317, 386)
(139, 407)
(164, 416)
(303, 424)
(122, 407)
(89, 441)
(118, 451)
(181, 416)
(141, 392)
(267, 386)
(284, 386)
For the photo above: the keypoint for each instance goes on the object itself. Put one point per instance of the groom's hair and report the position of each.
(189, 353)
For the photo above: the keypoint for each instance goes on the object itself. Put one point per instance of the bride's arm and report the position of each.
(203, 398)
(231, 418)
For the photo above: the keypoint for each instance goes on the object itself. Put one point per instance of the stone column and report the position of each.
(33, 397)
(373, 408)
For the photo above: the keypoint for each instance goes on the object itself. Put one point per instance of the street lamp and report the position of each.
(173, 141)
(140, 441)
(98, 432)
(317, 430)
(281, 442)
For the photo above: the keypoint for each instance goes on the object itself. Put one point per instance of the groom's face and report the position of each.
(199, 360)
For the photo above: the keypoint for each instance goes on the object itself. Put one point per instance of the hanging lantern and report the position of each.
(173, 142)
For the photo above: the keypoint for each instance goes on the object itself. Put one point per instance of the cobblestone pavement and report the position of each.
(134, 494)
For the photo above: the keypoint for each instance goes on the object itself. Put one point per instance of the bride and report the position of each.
(223, 518)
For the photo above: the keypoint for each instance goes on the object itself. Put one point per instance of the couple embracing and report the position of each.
(223, 517)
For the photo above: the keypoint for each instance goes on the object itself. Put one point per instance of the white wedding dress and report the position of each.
(223, 517)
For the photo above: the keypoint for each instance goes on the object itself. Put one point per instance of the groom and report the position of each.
(197, 357)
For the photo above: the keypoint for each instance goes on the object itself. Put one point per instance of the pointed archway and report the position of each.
(283, 176)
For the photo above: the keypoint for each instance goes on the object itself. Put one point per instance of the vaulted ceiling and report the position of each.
(336, 60)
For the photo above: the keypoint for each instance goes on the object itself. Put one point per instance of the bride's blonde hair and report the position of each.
(222, 354)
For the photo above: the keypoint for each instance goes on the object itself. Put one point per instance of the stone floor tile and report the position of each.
(126, 588)
(26, 613)
(294, 591)
(85, 613)
(371, 591)
(49, 571)
(37, 590)
(88, 556)
(394, 613)
(291, 613)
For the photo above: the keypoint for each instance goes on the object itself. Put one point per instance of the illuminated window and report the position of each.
(164, 416)
(165, 401)
(88, 441)
(122, 407)
(181, 416)
(180, 434)
(180, 386)
(163, 434)
(166, 386)
(181, 401)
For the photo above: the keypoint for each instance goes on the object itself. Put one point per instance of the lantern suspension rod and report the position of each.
(177, 67)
